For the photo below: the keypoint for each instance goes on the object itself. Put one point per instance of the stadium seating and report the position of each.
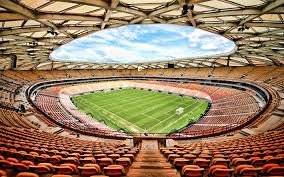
(21, 149)
(240, 153)
(225, 106)
(27, 151)
(216, 117)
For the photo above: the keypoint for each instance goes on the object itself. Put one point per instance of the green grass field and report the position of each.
(138, 111)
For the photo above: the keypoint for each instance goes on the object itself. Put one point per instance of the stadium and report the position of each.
(141, 88)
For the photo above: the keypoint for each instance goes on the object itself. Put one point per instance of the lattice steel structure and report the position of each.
(32, 29)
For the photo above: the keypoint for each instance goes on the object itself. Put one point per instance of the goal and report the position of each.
(179, 110)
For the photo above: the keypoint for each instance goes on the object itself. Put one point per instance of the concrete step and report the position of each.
(153, 173)
(151, 163)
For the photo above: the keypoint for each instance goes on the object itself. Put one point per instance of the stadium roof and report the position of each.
(31, 29)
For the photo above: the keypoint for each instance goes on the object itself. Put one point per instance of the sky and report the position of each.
(143, 43)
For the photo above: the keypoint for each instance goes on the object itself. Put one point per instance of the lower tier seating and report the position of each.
(258, 155)
(32, 151)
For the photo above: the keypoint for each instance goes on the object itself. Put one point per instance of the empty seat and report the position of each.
(220, 161)
(220, 171)
(67, 169)
(192, 171)
(5, 164)
(3, 173)
(42, 168)
(99, 156)
(103, 162)
(257, 161)
(73, 160)
(180, 162)
(55, 159)
(130, 156)
(247, 170)
(240, 161)
(114, 170)
(114, 156)
(201, 162)
(20, 167)
(27, 174)
(87, 160)
(275, 171)
(90, 169)
(266, 169)
(124, 161)
(171, 157)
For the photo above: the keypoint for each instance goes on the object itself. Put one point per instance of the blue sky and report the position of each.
(143, 43)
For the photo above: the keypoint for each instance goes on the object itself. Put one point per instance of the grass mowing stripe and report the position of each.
(199, 104)
(107, 97)
(136, 110)
(140, 105)
(137, 101)
(168, 118)
(116, 116)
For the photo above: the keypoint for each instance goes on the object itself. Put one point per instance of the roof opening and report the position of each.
(144, 44)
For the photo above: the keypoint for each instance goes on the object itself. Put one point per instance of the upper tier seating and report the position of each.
(13, 80)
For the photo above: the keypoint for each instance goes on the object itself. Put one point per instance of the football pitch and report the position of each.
(138, 111)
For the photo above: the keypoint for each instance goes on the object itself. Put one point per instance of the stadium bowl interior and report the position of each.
(212, 115)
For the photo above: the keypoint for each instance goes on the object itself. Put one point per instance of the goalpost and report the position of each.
(179, 110)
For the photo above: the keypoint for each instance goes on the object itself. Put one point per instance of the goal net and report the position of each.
(179, 110)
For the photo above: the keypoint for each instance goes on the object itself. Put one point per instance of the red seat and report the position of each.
(180, 162)
(192, 171)
(43, 168)
(5, 164)
(275, 171)
(73, 160)
(247, 170)
(99, 156)
(130, 156)
(20, 167)
(3, 173)
(67, 169)
(41, 158)
(27, 174)
(12, 160)
(257, 161)
(272, 159)
(266, 167)
(90, 169)
(114, 170)
(171, 157)
(105, 161)
(124, 161)
(87, 160)
(55, 159)
(220, 161)
(220, 171)
(205, 156)
(201, 162)
(240, 161)
(114, 156)
(189, 157)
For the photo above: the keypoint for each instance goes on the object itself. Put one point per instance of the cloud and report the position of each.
(143, 43)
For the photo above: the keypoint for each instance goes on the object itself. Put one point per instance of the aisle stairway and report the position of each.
(151, 163)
